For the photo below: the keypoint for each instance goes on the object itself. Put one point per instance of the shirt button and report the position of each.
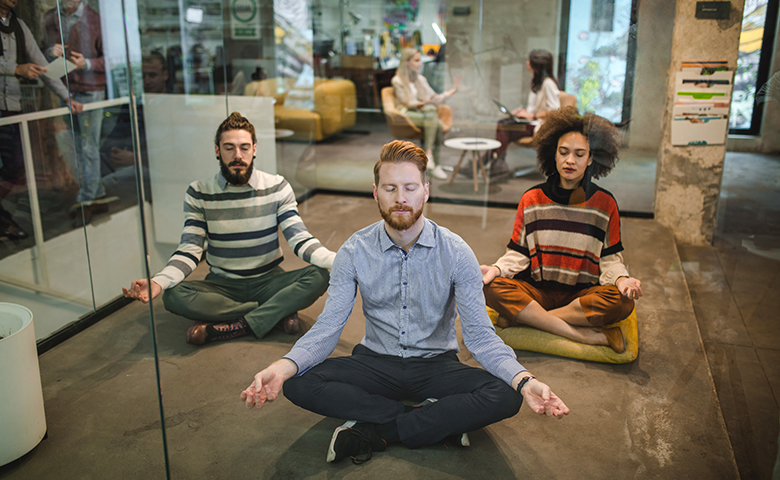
(403, 333)
(404, 283)
(404, 348)
(404, 307)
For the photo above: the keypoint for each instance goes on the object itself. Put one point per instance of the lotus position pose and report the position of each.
(412, 274)
(417, 100)
(563, 271)
(239, 212)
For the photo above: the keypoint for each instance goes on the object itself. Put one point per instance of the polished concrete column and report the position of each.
(688, 178)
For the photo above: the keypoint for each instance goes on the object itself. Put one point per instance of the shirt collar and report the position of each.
(254, 180)
(426, 238)
(79, 11)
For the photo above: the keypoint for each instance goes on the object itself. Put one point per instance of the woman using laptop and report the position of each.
(417, 100)
(523, 122)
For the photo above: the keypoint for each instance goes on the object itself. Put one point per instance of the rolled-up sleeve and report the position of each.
(612, 268)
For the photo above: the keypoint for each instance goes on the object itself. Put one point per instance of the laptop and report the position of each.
(508, 112)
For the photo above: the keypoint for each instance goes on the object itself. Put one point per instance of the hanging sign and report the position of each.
(245, 19)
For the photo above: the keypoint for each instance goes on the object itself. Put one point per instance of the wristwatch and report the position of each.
(523, 382)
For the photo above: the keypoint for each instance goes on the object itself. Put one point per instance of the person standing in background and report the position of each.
(20, 61)
(77, 37)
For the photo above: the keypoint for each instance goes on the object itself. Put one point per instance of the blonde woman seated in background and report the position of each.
(417, 100)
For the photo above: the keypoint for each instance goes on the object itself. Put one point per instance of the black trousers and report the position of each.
(12, 169)
(369, 387)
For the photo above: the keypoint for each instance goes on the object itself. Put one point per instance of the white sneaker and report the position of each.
(431, 165)
(439, 173)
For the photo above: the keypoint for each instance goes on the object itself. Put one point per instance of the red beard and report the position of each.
(400, 222)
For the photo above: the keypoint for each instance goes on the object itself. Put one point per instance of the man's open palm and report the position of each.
(543, 401)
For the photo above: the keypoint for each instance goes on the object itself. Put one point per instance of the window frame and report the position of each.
(764, 65)
(628, 85)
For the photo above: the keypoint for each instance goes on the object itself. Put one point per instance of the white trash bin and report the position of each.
(22, 419)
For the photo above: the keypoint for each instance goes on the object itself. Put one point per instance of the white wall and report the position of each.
(180, 144)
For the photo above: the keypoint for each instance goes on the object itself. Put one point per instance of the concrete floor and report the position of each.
(656, 417)
(700, 401)
(733, 285)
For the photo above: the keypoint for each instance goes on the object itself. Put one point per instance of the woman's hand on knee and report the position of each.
(268, 383)
(489, 273)
(629, 287)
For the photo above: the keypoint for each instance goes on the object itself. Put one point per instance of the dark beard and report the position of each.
(237, 179)
(403, 223)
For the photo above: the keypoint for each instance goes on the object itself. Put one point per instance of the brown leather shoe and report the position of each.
(615, 338)
(196, 334)
(203, 332)
(290, 324)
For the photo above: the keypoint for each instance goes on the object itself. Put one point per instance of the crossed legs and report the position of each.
(369, 387)
(570, 314)
(262, 302)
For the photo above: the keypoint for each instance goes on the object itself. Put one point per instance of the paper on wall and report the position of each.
(701, 106)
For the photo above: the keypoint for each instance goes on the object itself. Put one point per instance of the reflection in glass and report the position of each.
(36, 185)
(746, 77)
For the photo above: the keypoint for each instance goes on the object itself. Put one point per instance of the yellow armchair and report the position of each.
(334, 106)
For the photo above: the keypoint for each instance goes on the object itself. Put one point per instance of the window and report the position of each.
(598, 37)
(755, 53)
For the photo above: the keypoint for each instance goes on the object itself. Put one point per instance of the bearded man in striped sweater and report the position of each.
(239, 212)
(563, 269)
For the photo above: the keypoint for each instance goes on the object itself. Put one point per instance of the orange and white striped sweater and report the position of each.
(565, 239)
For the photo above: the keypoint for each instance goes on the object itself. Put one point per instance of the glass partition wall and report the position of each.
(315, 77)
(71, 229)
(92, 201)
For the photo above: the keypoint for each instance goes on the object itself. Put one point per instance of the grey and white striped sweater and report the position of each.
(241, 226)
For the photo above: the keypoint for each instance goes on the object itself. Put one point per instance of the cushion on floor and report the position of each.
(534, 340)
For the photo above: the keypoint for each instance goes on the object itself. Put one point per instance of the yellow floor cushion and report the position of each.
(533, 340)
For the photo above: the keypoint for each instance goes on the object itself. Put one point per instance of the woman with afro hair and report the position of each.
(563, 270)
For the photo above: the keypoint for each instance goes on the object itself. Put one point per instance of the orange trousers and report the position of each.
(602, 305)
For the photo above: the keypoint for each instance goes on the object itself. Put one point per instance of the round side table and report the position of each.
(473, 145)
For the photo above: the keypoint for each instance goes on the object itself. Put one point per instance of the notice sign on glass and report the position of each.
(245, 19)
(701, 104)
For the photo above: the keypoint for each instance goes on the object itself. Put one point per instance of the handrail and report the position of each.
(41, 276)
(56, 112)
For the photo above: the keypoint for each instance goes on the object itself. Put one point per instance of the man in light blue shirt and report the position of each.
(412, 275)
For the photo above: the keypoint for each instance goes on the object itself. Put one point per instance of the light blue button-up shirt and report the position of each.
(409, 301)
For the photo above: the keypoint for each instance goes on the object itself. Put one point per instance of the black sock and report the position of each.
(388, 431)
